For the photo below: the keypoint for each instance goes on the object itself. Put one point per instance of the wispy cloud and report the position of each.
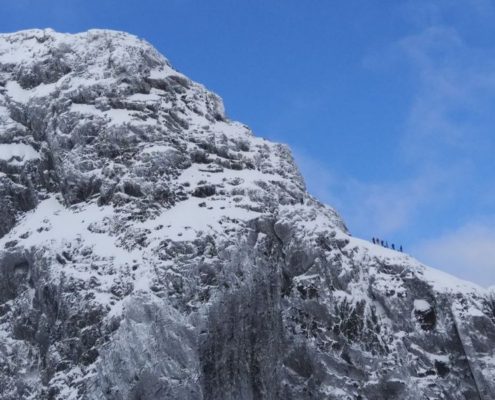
(446, 144)
(468, 252)
(424, 13)
(450, 116)
(374, 208)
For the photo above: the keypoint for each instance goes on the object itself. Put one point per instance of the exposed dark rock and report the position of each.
(204, 191)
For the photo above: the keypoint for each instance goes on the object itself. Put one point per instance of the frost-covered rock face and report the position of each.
(150, 248)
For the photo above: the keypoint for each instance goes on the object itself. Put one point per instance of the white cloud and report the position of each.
(388, 207)
(451, 116)
(448, 133)
(434, 12)
(468, 252)
(375, 208)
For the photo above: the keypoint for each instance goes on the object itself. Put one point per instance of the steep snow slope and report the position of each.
(150, 248)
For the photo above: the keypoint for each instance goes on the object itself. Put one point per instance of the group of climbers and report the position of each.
(385, 244)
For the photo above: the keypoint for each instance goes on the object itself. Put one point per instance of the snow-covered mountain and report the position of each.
(150, 248)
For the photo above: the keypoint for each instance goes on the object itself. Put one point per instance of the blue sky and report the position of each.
(388, 106)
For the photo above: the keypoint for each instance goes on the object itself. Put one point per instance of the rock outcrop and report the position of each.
(150, 248)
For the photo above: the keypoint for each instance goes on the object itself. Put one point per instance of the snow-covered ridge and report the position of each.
(152, 248)
(85, 45)
(20, 47)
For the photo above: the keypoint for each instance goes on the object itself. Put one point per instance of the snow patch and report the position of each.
(51, 221)
(144, 97)
(20, 95)
(422, 305)
(188, 219)
(159, 148)
(85, 109)
(17, 153)
(163, 72)
(475, 312)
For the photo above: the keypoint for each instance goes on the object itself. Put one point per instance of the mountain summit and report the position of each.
(151, 249)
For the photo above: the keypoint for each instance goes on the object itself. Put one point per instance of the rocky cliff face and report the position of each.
(150, 248)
